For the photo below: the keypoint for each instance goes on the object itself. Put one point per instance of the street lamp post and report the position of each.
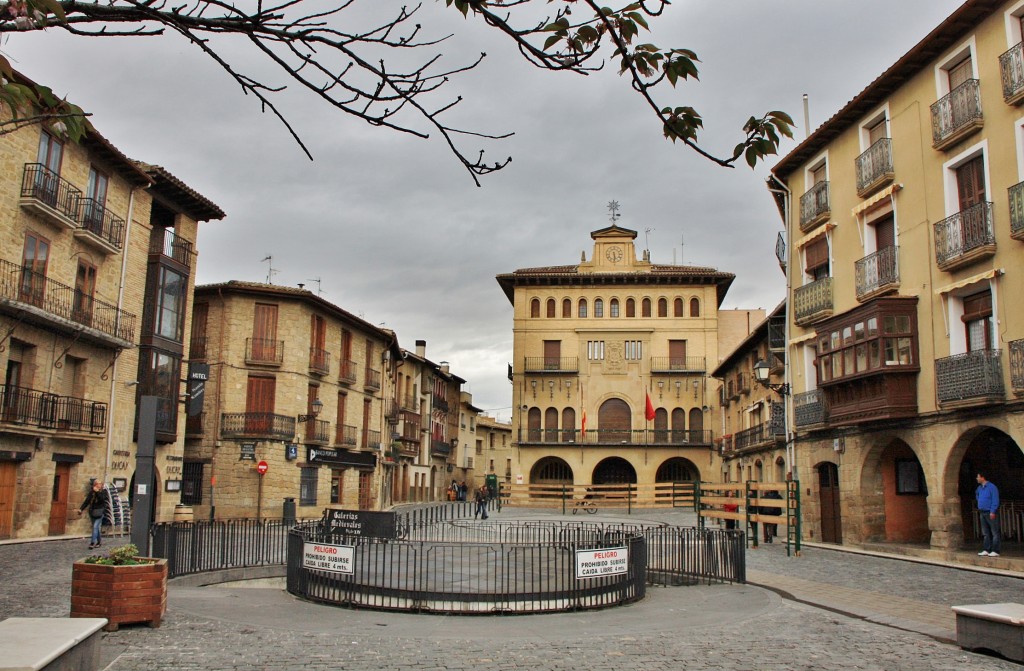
(761, 371)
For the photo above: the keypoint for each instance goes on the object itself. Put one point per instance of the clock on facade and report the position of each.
(614, 254)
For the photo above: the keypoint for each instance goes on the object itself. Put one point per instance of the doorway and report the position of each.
(828, 493)
(8, 471)
(59, 499)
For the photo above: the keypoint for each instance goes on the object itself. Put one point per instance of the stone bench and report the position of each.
(54, 644)
(998, 627)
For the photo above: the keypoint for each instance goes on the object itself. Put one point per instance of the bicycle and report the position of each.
(584, 504)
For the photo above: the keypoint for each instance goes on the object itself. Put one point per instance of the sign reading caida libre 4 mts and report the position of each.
(597, 563)
(333, 558)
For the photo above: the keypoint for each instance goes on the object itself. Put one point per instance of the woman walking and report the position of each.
(97, 501)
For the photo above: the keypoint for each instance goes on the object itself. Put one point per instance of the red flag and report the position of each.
(649, 413)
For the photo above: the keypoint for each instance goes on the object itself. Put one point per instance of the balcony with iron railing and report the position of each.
(809, 408)
(813, 302)
(678, 364)
(319, 361)
(759, 435)
(346, 371)
(23, 406)
(970, 377)
(877, 273)
(194, 425)
(548, 364)
(266, 425)
(649, 437)
(35, 298)
(391, 411)
(99, 226)
(957, 114)
(372, 439)
(317, 432)
(264, 352)
(814, 206)
(49, 196)
(1016, 349)
(346, 435)
(439, 402)
(165, 242)
(874, 167)
(1016, 194)
(965, 237)
(777, 333)
(410, 403)
(440, 448)
(1011, 69)
(371, 379)
(743, 382)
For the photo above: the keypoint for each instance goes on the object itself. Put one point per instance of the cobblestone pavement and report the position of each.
(729, 627)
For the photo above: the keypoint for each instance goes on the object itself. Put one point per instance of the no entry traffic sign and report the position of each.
(262, 467)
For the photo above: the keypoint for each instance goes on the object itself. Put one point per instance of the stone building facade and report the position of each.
(493, 452)
(904, 215)
(97, 266)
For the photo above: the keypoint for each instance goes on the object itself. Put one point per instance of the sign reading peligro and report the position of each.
(333, 558)
(597, 563)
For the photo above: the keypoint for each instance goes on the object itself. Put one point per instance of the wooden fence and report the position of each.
(615, 497)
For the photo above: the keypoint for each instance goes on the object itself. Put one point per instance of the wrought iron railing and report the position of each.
(371, 378)
(441, 448)
(1016, 194)
(809, 408)
(265, 351)
(546, 364)
(410, 403)
(757, 435)
(318, 431)
(1016, 348)
(874, 164)
(970, 375)
(812, 300)
(197, 347)
(42, 184)
(617, 436)
(319, 361)
(257, 425)
(31, 407)
(1011, 68)
(391, 410)
(814, 205)
(956, 111)
(347, 371)
(172, 245)
(346, 435)
(964, 232)
(439, 402)
(23, 285)
(101, 222)
(373, 439)
(777, 332)
(877, 270)
(678, 364)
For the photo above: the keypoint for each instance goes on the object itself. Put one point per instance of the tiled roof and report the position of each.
(195, 204)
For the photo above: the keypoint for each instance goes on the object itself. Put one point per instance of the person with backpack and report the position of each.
(97, 501)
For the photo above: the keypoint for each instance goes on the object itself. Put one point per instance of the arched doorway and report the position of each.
(677, 469)
(828, 498)
(696, 425)
(661, 425)
(551, 471)
(994, 453)
(614, 420)
(897, 474)
(614, 471)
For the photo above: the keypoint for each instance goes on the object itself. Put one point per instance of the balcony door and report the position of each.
(259, 404)
(51, 152)
(970, 183)
(614, 420)
(977, 321)
(34, 258)
(59, 500)
(677, 354)
(552, 354)
(264, 333)
(85, 287)
(96, 201)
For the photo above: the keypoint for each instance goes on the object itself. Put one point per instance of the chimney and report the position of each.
(444, 367)
(421, 349)
(301, 285)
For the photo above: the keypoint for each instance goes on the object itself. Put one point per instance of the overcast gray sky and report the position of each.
(393, 226)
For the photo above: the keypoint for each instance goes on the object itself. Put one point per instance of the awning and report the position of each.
(804, 338)
(973, 279)
(804, 241)
(876, 199)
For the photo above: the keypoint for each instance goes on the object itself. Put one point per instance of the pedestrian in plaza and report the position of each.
(987, 496)
(97, 501)
(771, 530)
(730, 508)
(481, 504)
(462, 490)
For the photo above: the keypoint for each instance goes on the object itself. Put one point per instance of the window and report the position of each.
(595, 350)
(970, 183)
(192, 483)
(96, 201)
(583, 308)
(85, 287)
(307, 485)
(959, 73)
(645, 308)
(819, 173)
(551, 308)
(169, 310)
(633, 350)
(630, 307)
(598, 307)
(677, 308)
(566, 309)
(51, 152)
(910, 477)
(535, 308)
(662, 307)
(868, 343)
(695, 307)
(978, 323)
(816, 259)
(33, 261)
(160, 373)
(613, 308)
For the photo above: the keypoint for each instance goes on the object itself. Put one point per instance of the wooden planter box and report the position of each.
(122, 594)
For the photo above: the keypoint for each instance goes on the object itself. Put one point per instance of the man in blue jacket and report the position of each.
(988, 507)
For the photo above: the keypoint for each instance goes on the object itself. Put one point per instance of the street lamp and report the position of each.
(315, 407)
(761, 370)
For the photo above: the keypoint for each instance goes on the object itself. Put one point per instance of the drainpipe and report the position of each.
(120, 302)
(777, 186)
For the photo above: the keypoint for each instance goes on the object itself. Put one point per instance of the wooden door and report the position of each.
(831, 517)
(365, 490)
(259, 404)
(614, 421)
(696, 425)
(366, 423)
(264, 333)
(551, 425)
(8, 473)
(552, 354)
(34, 259)
(59, 499)
(970, 183)
(677, 354)
(678, 426)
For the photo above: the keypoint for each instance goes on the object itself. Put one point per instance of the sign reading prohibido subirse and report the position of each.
(359, 523)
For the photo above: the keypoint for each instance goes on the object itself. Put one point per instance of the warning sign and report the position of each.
(597, 563)
(333, 558)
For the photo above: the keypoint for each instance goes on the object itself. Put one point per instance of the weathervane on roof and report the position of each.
(613, 207)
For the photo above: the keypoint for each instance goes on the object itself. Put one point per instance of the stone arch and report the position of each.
(677, 469)
(551, 471)
(780, 469)
(533, 433)
(614, 471)
(566, 308)
(551, 425)
(893, 511)
(535, 308)
(550, 311)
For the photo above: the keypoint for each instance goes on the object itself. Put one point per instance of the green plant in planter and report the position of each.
(124, 555)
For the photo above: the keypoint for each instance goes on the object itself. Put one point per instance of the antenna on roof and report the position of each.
(647, 241)
(613, 207)
(682, 250)
(269, 258)
(319, 291)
